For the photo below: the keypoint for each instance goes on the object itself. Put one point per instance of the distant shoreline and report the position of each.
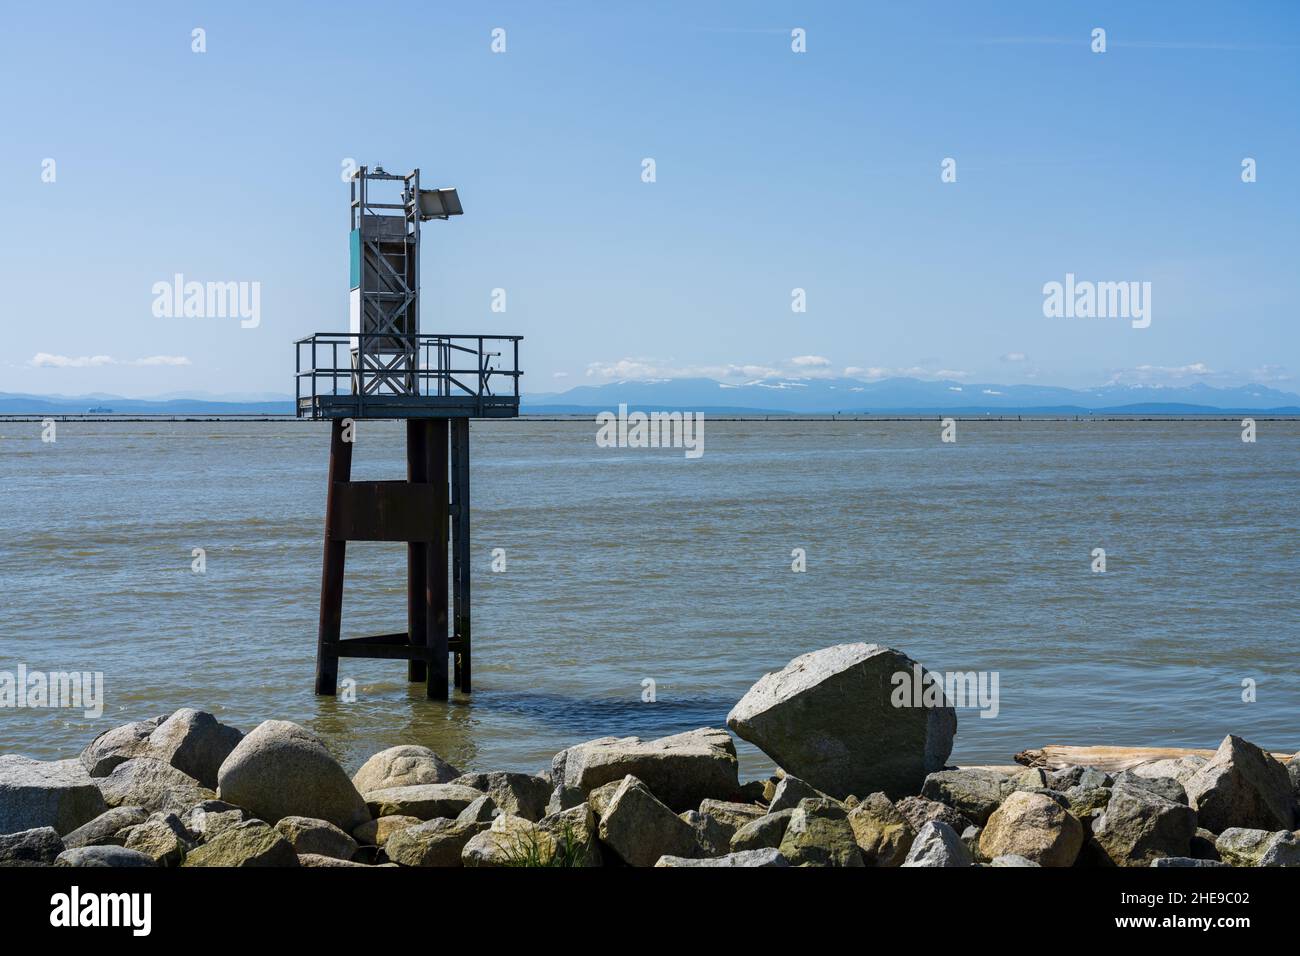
(1226, 416)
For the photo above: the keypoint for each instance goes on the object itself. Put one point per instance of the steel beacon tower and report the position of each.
(384, 368)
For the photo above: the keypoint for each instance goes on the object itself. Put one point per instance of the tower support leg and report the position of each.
(436, 564)
(417, 552)
(460, 575)
(331, 587)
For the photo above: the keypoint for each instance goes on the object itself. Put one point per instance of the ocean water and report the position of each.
(624, 565)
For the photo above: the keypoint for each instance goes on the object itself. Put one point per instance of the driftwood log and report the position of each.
(1109, 759)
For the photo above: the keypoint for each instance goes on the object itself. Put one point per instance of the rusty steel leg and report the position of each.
(417, 616)
(436, 688)
(331, 586)
(460, 565)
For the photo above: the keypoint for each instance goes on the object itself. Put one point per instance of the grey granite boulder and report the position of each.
(403, 766)
(975, 792)
(376, 832)
(1242, 786)
(195, 743)
(840, 719)
(105, 829)
(1138, 825)
(162, 838)
(521, 794)
(764, 833)
(39, 793)
(1167, 787)
(1241, 846)
(434, 843)
(938, 845)
(1035, 827)
(680, 770)
(882, 832)
(117, 745)
(819, 834)
(103, 856)
(39, 846)
(1181, 769)
(428, 801)
(919, 811)
(790, 791)
(744, 858)
(1012, 859)
(252, 843)
(152, 784)
(317, 837)
(283, 770)
(640, 828)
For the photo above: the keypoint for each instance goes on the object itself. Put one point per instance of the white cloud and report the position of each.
(1014, 357)
(810, 361)
(46, 360)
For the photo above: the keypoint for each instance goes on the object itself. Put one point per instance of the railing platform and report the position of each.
(408, 406)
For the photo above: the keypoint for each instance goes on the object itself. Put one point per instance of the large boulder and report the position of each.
(1239, 846)
(764, 833)
(680, 770)
(938, 845)
(39, 846)
(1242, 786)
(39, 793)
(1181, 769)
(437, 842)
(316, 837)
(1167, 787)
(1034, 826)
(403, 766)
(192, 741)
(105, 829)
(283, 770)
(919, 811)
(790, 790)
(1138, 826)
(376, 832)
(640, 828)
(428, 801)
(819, 834)
(117, 745)
(829, 717)
(161, 838)
(882, 833)
(973, 792)
(152, 784)
(252, 843)
(745, 858)
(521, 794)
(115, 856)
(712, 838)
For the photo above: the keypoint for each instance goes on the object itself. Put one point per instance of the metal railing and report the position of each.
(382, 367)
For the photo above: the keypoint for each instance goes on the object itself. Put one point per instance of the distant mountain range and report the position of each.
(911, 396)
(768, 396)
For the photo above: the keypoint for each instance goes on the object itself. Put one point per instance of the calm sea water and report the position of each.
(624, 565)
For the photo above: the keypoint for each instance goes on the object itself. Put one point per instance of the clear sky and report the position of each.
(775, 170)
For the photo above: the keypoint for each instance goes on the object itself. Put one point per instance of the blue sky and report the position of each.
(774, 170)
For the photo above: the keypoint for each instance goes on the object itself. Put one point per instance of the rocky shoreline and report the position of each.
(865, 783)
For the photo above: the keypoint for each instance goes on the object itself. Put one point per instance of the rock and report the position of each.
(428, 801)
(433, 843)
(790, 791)
(521, 794)
(1293, 771)
(195, 743)
(575, 833)
(482, 810)
(882, 833)
(1085, 778)
(318, 859)
(103, 856)
(1242, 846)
(162, 838)
(1012, 859)
(1242, 786)
(919, 811)
(829, 718)
(316, 837)
(1086, 804)
(247, 844)
(819, 834)
(255, 774)
(640, 829)
(39, 846)
(1167, 787)
(1181, 769)
(974, 793)
(149, 783)
(103, 830)
(510, 841)
(377, 832)
(599, 798)
(404, 766)
(1138, 826)
(732, 815)
(205, 820)
(38, 793)
(970, 839)
(1035, 827)
(680, 770)
(752, 791)
(563, 798)
(118, 745)
(1203, 847)
(766, 857)
(765, 833)
(712, 838)
(937, 844)
(1184, 861)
